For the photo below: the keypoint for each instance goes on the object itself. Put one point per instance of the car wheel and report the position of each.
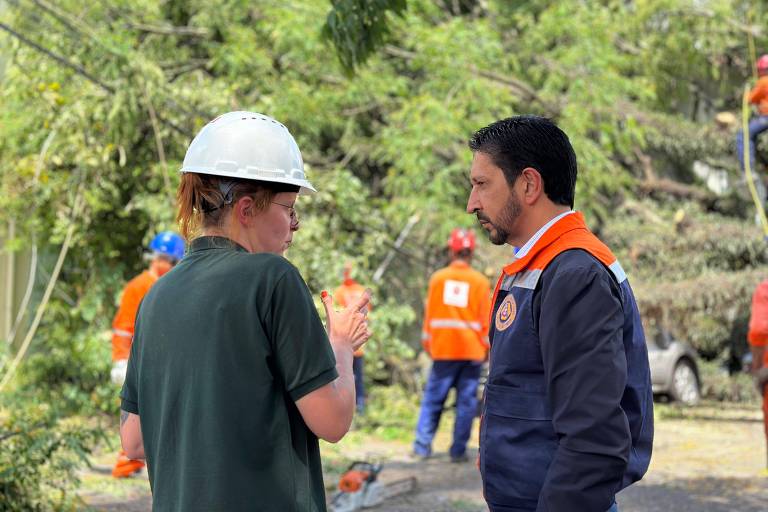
(685, 384)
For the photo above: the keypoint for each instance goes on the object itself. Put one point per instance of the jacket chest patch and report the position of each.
(506, 313)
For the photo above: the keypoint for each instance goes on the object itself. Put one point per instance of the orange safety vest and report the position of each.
(759, 95)
(122, 325)
(758, 322)
(347, 294)
(456, 314)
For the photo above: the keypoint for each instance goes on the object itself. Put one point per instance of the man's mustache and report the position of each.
(482, 217)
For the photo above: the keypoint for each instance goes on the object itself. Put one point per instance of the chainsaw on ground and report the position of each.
(360, 488)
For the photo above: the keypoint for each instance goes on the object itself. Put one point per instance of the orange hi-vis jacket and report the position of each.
(122, 325)
(759, 95)
(758, 322)
(456, 314)
(347, 294)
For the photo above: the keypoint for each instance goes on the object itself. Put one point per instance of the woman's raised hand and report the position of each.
(349, 325)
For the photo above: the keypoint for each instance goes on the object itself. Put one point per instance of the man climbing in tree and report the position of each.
(758, 124)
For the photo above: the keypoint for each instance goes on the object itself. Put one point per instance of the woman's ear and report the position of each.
(244, 209)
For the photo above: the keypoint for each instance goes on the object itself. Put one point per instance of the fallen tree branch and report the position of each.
(169, 30)
(159, 145)
(674, 188)
(58, 58)
(520, 87)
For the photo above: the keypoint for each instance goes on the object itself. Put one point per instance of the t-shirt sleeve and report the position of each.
(129, 395)
(303, 353)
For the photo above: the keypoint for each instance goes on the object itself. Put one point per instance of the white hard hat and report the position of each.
(250, 146)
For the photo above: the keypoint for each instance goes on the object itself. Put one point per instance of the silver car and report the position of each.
(674, 372)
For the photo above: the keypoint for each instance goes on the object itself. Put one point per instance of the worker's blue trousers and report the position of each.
(757, 125)
(444, 375)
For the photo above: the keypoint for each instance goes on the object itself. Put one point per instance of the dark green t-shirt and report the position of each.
(225, 344)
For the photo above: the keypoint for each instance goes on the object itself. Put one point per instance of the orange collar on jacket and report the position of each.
(569, 232)
(568, 223)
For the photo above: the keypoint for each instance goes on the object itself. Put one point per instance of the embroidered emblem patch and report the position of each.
(506, 313)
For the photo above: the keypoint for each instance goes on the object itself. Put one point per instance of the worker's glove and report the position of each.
(761, 378)
(119, 368)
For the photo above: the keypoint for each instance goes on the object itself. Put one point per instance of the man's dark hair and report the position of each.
(531, 141)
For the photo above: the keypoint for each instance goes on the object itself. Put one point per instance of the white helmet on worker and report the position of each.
(247, 145)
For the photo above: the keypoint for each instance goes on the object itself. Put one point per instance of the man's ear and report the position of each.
(532, 185)
(244, 209)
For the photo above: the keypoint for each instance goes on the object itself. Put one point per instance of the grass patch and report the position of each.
(708, 410)
(391, 414)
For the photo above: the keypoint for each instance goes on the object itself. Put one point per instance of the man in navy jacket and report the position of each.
(568, 413)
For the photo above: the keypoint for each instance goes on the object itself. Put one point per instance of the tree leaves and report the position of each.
(358, 27)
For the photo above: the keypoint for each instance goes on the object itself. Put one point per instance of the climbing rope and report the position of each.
(745, 111)
(748, 163)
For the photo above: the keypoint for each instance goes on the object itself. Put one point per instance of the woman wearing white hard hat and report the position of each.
(232, 377)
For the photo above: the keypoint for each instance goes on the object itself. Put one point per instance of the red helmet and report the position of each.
(762, 63)
(461, 239)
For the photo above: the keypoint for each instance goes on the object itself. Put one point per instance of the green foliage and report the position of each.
(358, 27)
(391, 413)
(39, 457)
(73, 368)
(694, 275)
(718, 385)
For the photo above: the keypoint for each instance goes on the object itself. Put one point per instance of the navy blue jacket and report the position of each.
(568, 411)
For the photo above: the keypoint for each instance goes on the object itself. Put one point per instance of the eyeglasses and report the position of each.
(294, 215)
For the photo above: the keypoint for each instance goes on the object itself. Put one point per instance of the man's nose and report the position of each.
(473, 203)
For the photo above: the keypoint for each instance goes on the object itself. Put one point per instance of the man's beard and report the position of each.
(499, 232)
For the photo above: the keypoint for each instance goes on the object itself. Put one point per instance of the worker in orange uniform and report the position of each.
(758, 339)
(165, 250)
(455, 335)
(348, 293)
(758, 124)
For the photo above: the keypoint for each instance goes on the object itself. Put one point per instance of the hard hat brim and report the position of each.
(305, 187)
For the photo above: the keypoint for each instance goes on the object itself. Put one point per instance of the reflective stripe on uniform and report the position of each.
(124, 334)
(452, 323)
(615, 267)
(527, 279)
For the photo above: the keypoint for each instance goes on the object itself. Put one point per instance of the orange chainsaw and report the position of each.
(360, 488)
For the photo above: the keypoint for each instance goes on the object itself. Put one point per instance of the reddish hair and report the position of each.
(201, 205)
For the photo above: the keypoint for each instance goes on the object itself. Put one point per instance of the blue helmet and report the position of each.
(169, 244)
